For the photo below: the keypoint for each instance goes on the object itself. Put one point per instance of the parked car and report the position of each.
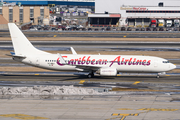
(102, 29)
(148, 29)
(63, 27)
(74, 28)
(108, 28)
(169, 29)
(53, 29)
(123, 28)
(161, 29)
(68, 27)
(96, 29)
(33, 29)
(89, 29)
(83, 29)
(155, 29)
(142, 29)
(114, 29)
(129, 29)
(176, 29)
(137, 29)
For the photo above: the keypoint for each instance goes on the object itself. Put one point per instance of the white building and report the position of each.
(134, 12)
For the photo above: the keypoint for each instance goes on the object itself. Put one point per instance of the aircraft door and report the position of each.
(37, 61)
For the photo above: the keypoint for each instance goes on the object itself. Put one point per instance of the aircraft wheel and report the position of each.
(90, 75)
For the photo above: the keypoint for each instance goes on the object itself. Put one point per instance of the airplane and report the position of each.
(104, 65)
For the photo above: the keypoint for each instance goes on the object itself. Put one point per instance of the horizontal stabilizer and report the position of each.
(13, 55)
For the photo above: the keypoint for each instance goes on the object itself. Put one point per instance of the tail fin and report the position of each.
(21, 44)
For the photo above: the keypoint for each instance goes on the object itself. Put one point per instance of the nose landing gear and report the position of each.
(160, 74)
(157, 76)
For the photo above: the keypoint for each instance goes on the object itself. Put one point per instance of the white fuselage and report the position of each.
(122, 63)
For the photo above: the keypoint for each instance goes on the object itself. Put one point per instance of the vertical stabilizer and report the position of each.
(21, 44)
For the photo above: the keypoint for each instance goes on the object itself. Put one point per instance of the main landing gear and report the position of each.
(90, 75)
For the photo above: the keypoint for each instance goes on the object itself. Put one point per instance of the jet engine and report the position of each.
(107, 72)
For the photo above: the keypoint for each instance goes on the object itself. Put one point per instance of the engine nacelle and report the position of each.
(108, 71)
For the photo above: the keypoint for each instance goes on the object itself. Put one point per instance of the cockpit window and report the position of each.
(165, 61)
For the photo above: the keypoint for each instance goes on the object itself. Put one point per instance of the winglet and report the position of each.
(61, 59)
(73, 51)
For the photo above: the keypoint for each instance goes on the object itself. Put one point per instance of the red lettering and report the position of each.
(143, 63)
(122, 61)
(138, 62)
(148, 63)
(92, 62)
(104, 62)
(116, 59)
(130, 61)
(83, 60)
(126, 60)
(134, 61)
(79, 62)
(88, 60)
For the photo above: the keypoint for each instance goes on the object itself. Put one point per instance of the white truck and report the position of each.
(168, 23)
(161, 23)
(176, 23)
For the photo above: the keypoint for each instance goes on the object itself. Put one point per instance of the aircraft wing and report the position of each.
(87, 67)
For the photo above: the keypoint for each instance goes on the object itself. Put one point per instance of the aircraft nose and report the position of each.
(172, 66)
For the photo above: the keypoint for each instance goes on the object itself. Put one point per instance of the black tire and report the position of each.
(89, 76)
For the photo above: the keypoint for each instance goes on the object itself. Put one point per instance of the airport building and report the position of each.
(139, 13)
(52, 2)
(25, 14)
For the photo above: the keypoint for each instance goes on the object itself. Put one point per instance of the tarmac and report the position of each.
(122, 107)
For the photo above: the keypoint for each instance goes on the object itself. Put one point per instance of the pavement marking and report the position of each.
(123, 116)
(136, 82)
(158, 109)
(55, 35)
(124, 109)
(82, 81)
(36, 74)
(168, 75)
(22, 116)
(113, 118)
(115, 114)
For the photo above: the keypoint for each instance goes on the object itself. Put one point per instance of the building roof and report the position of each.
(104, 15)
(3, 20)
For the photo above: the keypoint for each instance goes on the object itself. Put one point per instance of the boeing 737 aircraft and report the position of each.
(105, 65)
